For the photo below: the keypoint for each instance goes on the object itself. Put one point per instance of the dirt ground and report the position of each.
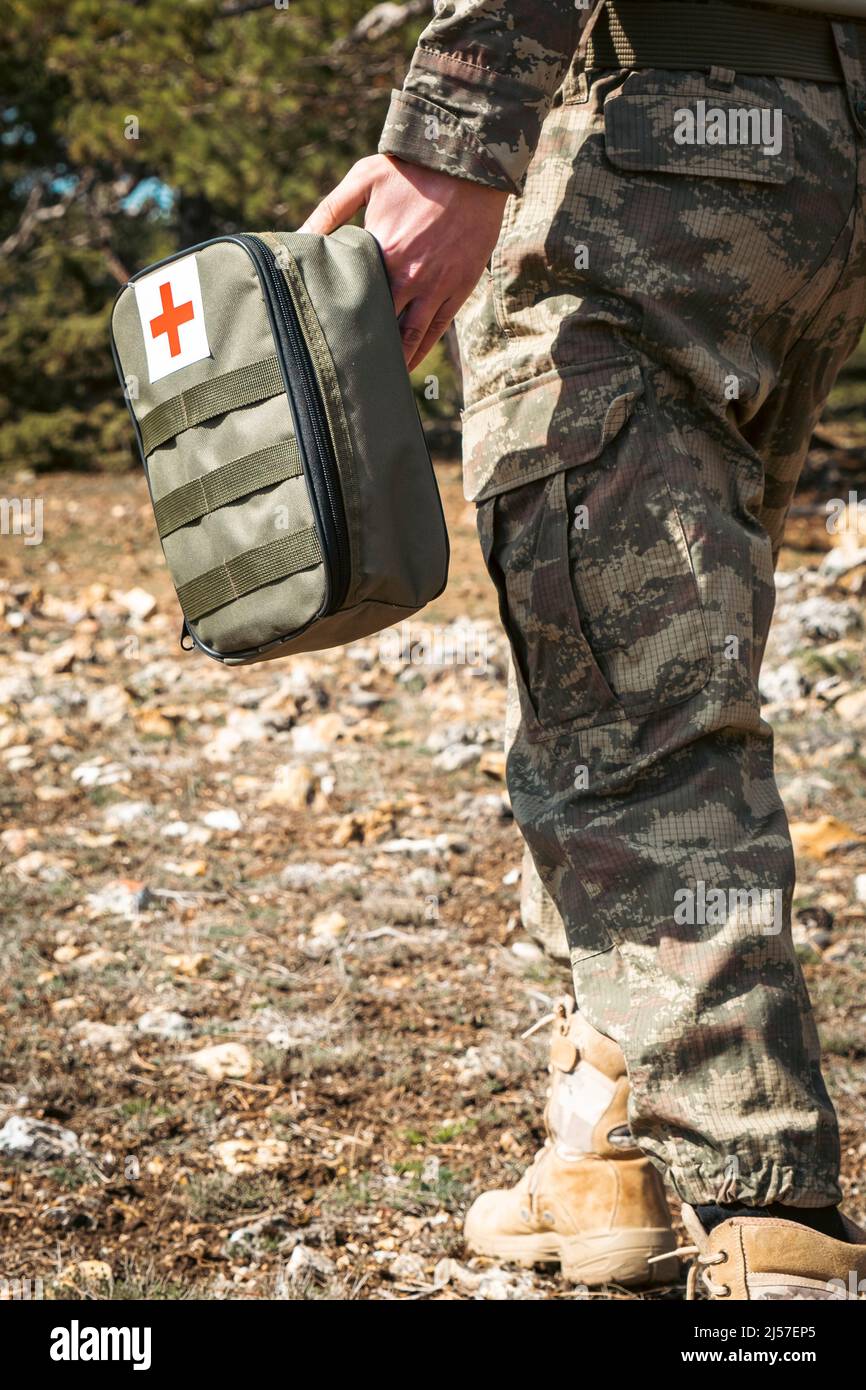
(310, 867)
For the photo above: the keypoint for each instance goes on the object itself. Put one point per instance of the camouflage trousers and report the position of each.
(644, 362)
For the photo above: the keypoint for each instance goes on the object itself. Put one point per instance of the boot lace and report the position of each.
(699, 1266)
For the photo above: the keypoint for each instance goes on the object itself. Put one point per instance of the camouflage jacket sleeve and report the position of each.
(482, 80)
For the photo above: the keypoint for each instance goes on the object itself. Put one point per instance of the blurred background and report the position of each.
(263, 969)
(129, 130)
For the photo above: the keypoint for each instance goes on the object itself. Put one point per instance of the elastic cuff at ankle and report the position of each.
(773, 1182)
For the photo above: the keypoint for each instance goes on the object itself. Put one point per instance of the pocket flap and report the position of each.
(721, 135)
(556, 421)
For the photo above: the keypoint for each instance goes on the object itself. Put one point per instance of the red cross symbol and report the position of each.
(171, 318)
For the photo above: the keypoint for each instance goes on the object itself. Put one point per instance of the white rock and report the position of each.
(17, 838)
(329, 926)
(16, 690)
(341, 871)
(430, 1170)
(138, 602)
(124, 813)
(305, 1263)
(163, 1023)
(223, 1060)
(819, 619)
(499, 1061)
(492, 806)
(446, 1270)
(452, 844)
(438, 845)
(222, 820)
(120, 900)
(292, 787)
(50, 868)
(18, 758)
(407, 1268)
(851, 709)
(97, 959)
(109, 705)
(805, 790)
(860, 888)
(528, 952)
(271, 1224)
(100, 773)
(512, 877)
(489, 1284)
(176, 829)
(407, 846)
(448, 735)
(38, 1139)
(239, 1156)
(426, 879)
(242, 726)
(782, 684)
(839, 561)
(457, 756)
(111, 1037)
(317, 735)
(307, 875)
(496, 1285)
(298, 876)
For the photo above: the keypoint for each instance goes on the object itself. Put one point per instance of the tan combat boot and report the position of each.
(760, 1257)
(591, 1201)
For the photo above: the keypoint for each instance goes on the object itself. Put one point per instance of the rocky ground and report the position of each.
(264, 978)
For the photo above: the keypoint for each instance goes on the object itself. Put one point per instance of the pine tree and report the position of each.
(130, 130)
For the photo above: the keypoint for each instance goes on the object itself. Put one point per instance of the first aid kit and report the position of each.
(292, 487)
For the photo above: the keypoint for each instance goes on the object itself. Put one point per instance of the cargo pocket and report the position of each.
(631, 569)
(596, 587)
(696, 129)
(524, 539)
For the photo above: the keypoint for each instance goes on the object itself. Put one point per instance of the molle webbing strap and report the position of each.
(676, 35)
(245, 385)
(206, 494)
(248, 571)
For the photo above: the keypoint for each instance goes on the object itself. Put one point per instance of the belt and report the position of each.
(676, 35)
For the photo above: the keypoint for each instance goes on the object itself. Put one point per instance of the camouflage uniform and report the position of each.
(644, 361)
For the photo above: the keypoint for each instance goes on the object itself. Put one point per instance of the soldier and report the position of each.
(652, 217)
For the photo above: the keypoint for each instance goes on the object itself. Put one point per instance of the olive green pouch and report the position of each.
(293, 490)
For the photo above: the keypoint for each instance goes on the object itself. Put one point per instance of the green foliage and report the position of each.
(131, 130)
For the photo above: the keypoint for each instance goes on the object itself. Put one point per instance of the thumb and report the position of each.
(340, 204)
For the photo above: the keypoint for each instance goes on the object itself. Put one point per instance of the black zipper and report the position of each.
(311, 421)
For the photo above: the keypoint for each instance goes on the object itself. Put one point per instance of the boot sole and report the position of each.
(610, 1257)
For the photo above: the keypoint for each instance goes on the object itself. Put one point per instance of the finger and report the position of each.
(436, 327)
(413, 326)
(403, 292)
(339, 205)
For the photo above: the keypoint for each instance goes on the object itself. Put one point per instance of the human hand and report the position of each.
(437, 233)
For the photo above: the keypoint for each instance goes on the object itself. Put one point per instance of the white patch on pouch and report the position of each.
(172, 317)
